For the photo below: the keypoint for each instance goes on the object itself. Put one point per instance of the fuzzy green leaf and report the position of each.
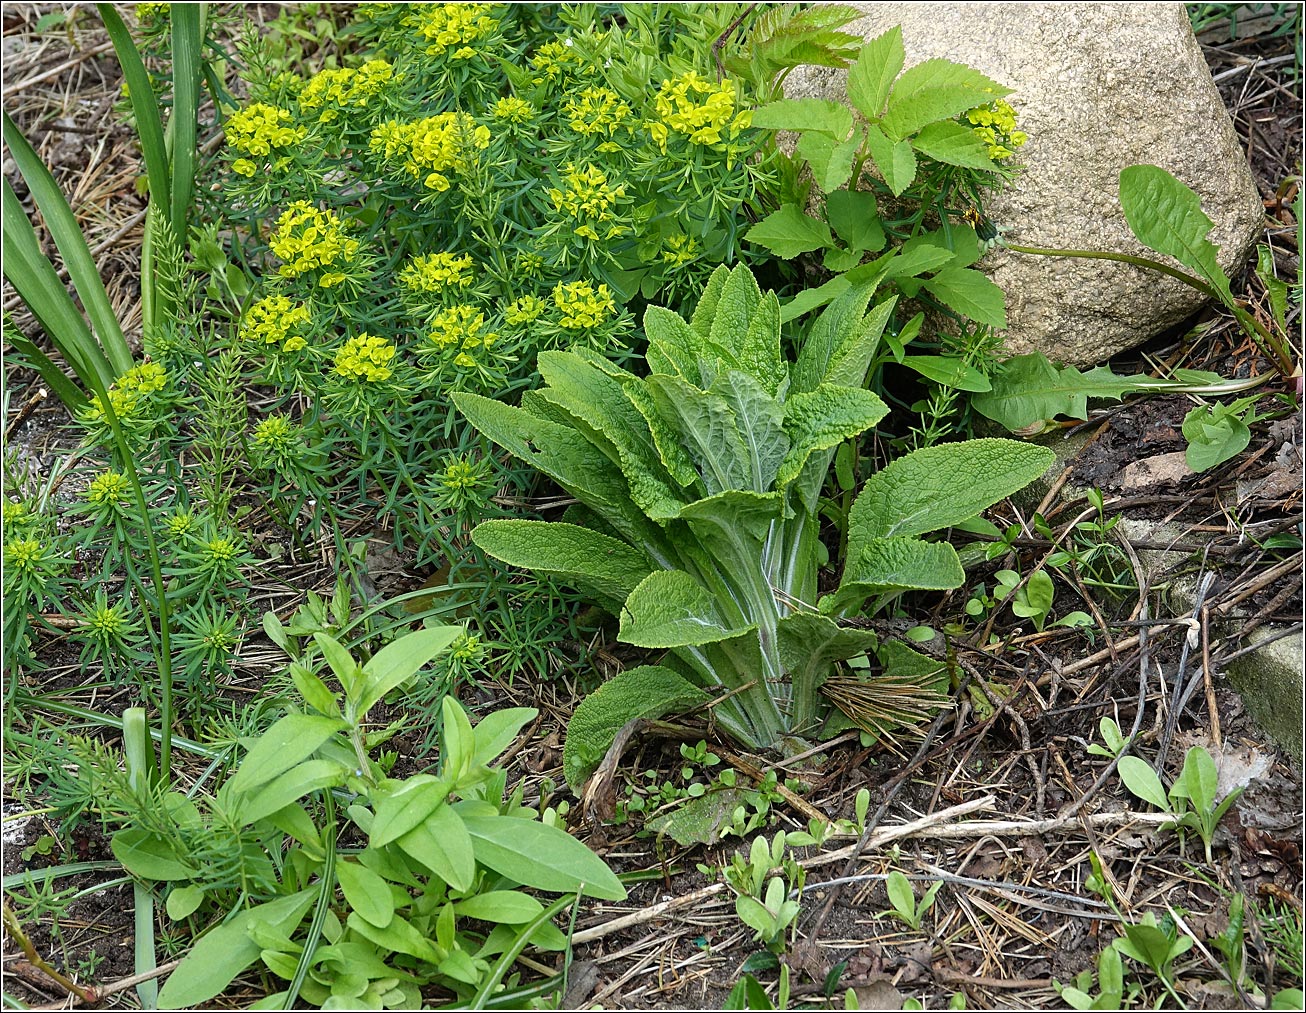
(759, 419)
(648, 691)
(709, 432)
(824, 418)
(609, 568)
(672, 344)
(886, 565)
(672, 609)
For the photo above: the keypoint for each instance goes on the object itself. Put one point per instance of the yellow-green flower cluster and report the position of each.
(513, 109)
(307, 239)
(260, 130)
(129, 394)
(276, 321)
(435, 272)
(553, 60)
(462, 328)
(524, 310)
(146, 13)
(24, 555)
(452, 26)
(430, 147)
(698, 109)
(109, 489)
(278, 436)
(330, 92)
(17, 516)
(589, 200)
(582, 306)
(107, 622)
(596, 111)
(680, 249)
(365, 359)
(179, 524)
(995, 125)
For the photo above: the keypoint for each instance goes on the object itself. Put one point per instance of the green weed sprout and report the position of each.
(903, 900)
(1191, 799)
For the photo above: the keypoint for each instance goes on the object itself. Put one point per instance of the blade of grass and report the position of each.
(145, 106)
(140, 756)
(67, 235)
(39, 287)
(187, 69)
(67, 391)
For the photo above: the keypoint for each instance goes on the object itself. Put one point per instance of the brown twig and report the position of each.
(85, 993)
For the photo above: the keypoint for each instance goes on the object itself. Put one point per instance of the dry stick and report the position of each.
(926, 824)
(797, 801)
(1176, 694)
(83, 992)
(68, 64)
(1211, 706)
(1224, 659)
(1267, 578)
(933, 826)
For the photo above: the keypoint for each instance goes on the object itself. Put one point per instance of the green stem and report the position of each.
(1125, 258)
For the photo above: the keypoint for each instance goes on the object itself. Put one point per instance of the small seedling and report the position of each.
(1191, 799)
(1110, 983)
(903, 898)
(1033, 601)
(762, 897)
(1115, 742)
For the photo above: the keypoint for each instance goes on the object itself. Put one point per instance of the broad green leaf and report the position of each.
(699, 820)
(1029, 392)
(803, 115)
(723, 516)
(290, 740)
(1199, 780)
(398, 936)
(289, 787)
(672, 609)
(970, 293)
(894, 158)
(441, 843)
(913, 260)
(824, 418)
(936, 90)
(879, 62)
(149, 856)
(949, 371)
(648, 691)
(295, 822)
(609, 568)
(754, 914)
(709, 432)
(1215, 434)
(810, 644)
(600, 401)
(954, 144)
(495, 731)
(789, 232)
(936, 487)
(839, 324)
(366, 893)
(184, 901)
(1140, 779)
(410, 803)
(673, 344)
(400, 659)
(759, 352)
(854, 216)
(705, 312)
(507, 907)
(220, 955)
(458, 741)
(738, 302)
(901, 895)
(538, 855)
(851, 360)
(341, 662)
(830, 161)
(314, 691)
(886, 565)
(1167, 217)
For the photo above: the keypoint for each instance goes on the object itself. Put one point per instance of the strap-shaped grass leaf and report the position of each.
(67, 236)
(183, 125)
(65, 390)
(145, 106)
(609, 568)
(824, 418)
(672, 609)
(936, 487)
(224, 952)
(536, 854)
(648, 691)
(878, 64)
(1167, 217)
(936, 90)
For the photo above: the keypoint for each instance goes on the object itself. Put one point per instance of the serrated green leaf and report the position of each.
(970, 293)
(830, 161)
(805, 114)
(1029, 391)
(648, 691)
(789, 232)
(608, 568)
(672, 609)
(936, 90)
(894, 158)
(878, 63)
(1166, 216)
(854, 217)
(954, 144)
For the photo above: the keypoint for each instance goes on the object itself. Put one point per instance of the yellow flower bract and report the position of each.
(583, 307)
(307, 239)
(365, 359)
(261, 129)
(430, 147)
(330, 91)
(435, 272)
(697, 109)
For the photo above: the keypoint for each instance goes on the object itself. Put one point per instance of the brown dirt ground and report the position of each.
(1015, 913)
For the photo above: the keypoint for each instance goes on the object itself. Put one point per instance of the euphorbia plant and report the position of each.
(699, 485)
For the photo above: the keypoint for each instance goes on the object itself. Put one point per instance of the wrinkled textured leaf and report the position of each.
(699, 820)
(648, 691)
(901, 564)
(672, 609)
(608, 568)
(709, 432)
(759, 420)
(672, 344)
(824, 418)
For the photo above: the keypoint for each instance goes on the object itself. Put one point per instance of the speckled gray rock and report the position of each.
(1098, 87)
